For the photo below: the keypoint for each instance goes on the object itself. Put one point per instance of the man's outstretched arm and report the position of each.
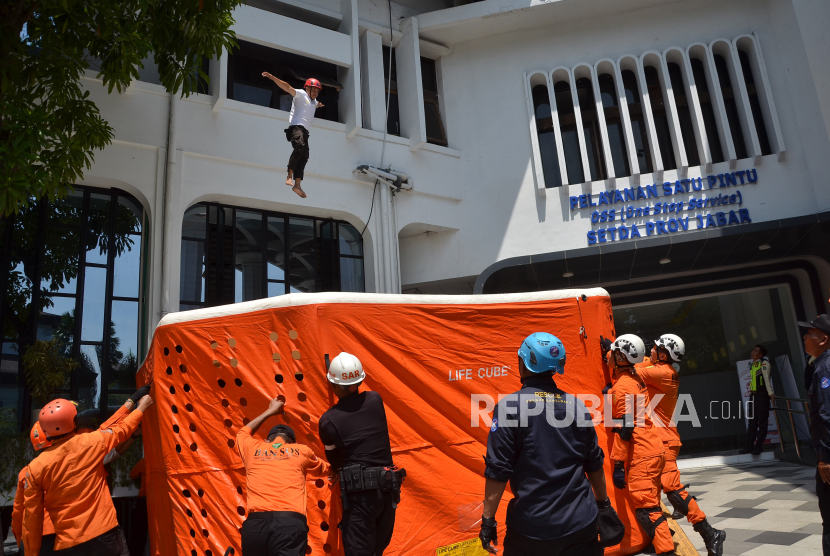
(280, 83)
(274, 408)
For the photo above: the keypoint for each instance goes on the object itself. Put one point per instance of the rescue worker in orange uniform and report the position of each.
(276, 473)
(39, 442)
(663, 379)
(637, 442)
(69, 481)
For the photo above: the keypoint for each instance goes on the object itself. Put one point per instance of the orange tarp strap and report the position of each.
(215, 369)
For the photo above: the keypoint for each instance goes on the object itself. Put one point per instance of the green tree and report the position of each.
(49, 128)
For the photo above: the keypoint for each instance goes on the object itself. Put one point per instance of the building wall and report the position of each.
(476, 201)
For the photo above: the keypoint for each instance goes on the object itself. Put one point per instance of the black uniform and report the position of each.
(554, 511)
(820, 433)
(356, 438)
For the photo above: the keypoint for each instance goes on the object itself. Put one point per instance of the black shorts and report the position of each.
(274, 534)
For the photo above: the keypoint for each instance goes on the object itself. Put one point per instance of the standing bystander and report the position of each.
(760, 386)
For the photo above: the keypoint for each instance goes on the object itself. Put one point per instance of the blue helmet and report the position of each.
(542, 352)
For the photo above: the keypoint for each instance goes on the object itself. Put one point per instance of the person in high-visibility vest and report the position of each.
(761, 392)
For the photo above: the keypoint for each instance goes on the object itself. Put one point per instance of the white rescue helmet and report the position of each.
(673, 345)
(631, 346)
(345, 370)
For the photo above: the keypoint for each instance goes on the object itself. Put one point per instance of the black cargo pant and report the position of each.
(823, 492)
(138, 527)
(274, 534)
(111, 543)
(581, 543)
(298, 135)
(756, 432)
(47, 546)
(368, 523)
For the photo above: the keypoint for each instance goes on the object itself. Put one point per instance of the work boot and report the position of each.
(677, 516)
(757, 451)
(713, 538)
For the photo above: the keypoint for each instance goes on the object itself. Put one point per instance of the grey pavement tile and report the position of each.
(736, 548)
(810, 529)
(807, 507)
(798, 495)
(745, 488)
(741, 513)
(779, 487)
(776, 537)
(742, 503)
(740, 535)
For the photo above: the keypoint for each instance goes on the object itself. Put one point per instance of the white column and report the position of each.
(410, 86)
(386, 244)
(218, 70)
(349, 101)
(373, 86)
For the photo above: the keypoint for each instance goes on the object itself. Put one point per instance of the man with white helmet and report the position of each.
(637, 442)
(356, 438)
(662, 378)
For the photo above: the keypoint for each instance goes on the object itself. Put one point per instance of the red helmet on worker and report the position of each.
(58, 417)
(311, 82)
(38, 438)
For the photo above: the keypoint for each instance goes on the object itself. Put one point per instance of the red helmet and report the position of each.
(58, 417)
(38, 438)
(313, 83)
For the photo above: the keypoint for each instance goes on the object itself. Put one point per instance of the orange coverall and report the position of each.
(17, 509)
(661, 378)
(69, 480)
(276, 473)
(644, 452)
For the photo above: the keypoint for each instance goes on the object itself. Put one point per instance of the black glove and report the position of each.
(605, 344)
(607, 388)
(619, 475)
(140, 393)
(488, 533)
(610, 528)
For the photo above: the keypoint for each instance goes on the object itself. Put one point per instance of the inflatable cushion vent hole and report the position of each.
(237, 381)
(321, 504)
(301, 396)
(278, 378)
(178, 349)
(189, 513)
(193, 553)
(324, 526)
(319, 483)
(276, 357)
(186, 387)
(203, 512)
(221, 383)
(311, 437)
(192, 533)
(243, 402)
(308, 550)
(192, 427)
(327, 548)
(292, 334)
(186, 493)
(178, 449)
(205, 532)
(193, 447)
(225, 403)
(231, 342)
(228, 423)
(172, 389)
(176, 428)
(298, 376)
(296, 355)
(274, 336)
(231, 443)
(281, 398)
(245, 421)
(216, 363)
(174, 409)
(287, 418)
(234, 362)
(200, 492)
(208, 552)
(239, 491)
(189, 407)
(170, 370)
(305, 417)
(166, 351)
(183, 368)
(214, 344)
(240, 510)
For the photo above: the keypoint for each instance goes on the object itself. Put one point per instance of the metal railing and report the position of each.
(790, 412)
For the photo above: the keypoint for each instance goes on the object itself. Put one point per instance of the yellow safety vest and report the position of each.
(757, 377)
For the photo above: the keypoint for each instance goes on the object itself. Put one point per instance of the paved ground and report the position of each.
(767, 509)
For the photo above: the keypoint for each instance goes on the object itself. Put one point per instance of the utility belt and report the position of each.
(358, 478)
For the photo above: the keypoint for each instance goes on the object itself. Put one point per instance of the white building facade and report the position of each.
(676, 153)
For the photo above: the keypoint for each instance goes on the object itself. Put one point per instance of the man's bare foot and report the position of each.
(299, 191)
(289, 182)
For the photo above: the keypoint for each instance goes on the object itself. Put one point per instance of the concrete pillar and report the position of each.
(349, 77)
(410, 86)
(374, 87)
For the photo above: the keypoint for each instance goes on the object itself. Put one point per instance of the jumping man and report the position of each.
(299, 122)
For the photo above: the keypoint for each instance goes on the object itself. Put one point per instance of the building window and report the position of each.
(731, 107)
(638, 124)
(590, 128)
(614, 125)
(705, 98)
(684, 114)
(230, 255)
(390, 76)
(432, 112)
(73, 273)
(246, 84)
(754, 103)
(547, 137)
(570, 138)
(661, 122)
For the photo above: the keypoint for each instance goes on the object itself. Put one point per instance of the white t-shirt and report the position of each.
(302, 109)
